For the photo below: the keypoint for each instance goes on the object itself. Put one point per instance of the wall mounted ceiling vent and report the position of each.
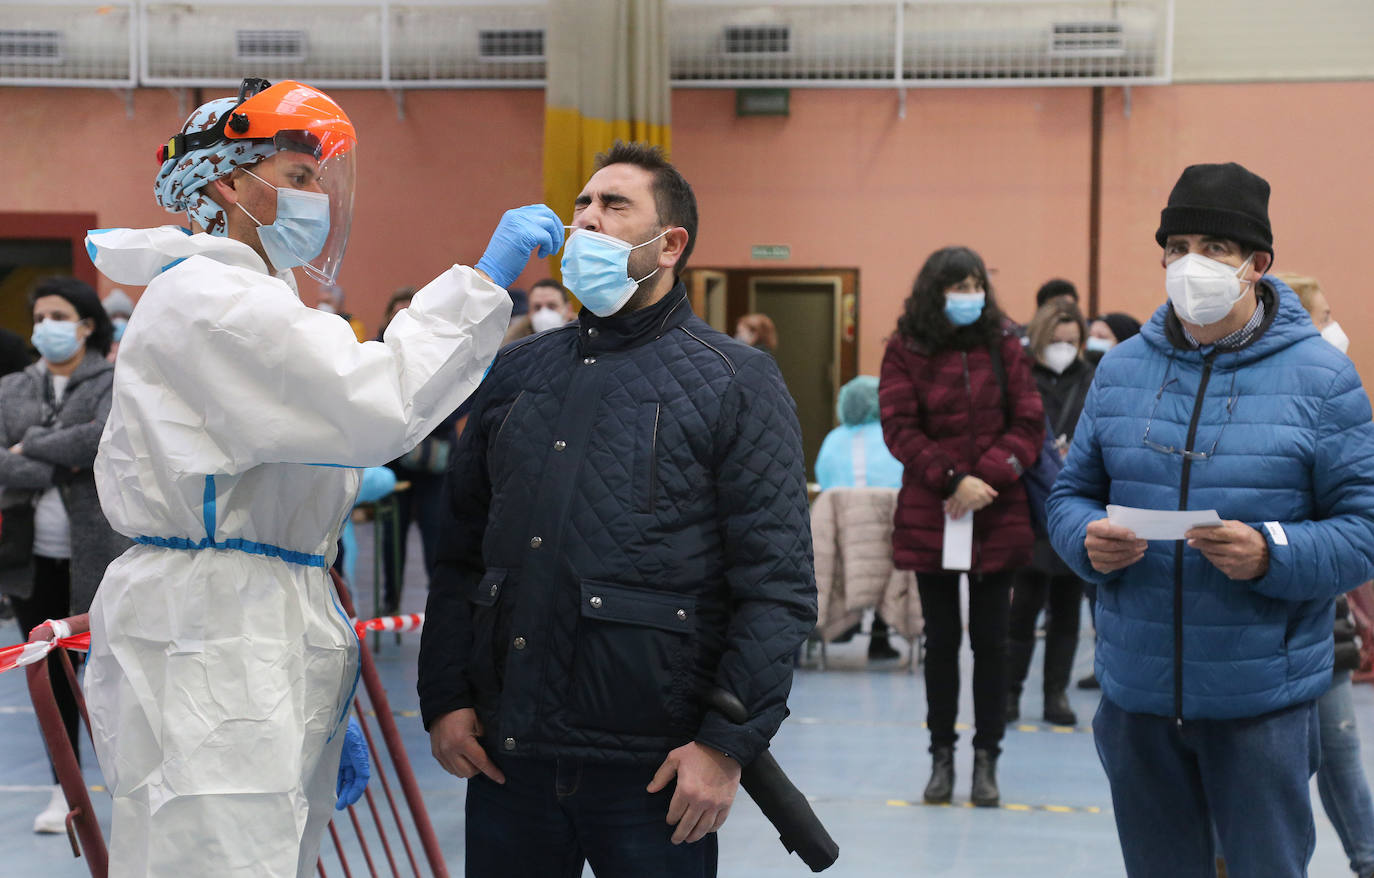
(1087, 39)
(31, 46)
(511, 45)
(269, 46)
(756, 40)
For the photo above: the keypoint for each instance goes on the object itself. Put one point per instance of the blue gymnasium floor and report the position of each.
(854, 743)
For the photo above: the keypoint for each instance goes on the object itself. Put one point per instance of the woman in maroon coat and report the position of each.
(960, 410)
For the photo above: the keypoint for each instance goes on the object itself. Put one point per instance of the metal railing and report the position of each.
(392, 44)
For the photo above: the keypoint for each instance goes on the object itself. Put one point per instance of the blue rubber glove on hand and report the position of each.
(521, 230)
(354, 767)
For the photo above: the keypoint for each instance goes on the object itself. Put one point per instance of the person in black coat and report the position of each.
(626, 527)
(14, 353)
(1056, 335)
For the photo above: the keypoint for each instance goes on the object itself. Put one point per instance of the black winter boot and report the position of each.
(1019, 654)
(941, 787)
(1059, 652)
(984, 792)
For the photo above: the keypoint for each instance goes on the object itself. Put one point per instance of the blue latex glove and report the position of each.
(354, 768)
(521, 230)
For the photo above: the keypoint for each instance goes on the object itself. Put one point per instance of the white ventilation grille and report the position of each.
(269, 46)
(495, 46)
(31, 46)
(1087, 39)
(51, 42)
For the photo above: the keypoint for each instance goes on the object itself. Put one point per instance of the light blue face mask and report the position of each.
(596, 269)
(56, 340)
(964, 309)
(1100, 345)
(298, 233)
(119, 326)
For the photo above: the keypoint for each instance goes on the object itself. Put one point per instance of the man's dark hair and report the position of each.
(552, 284)
(1052, 289)
(923, 320)
(673, 197)
(87, 305)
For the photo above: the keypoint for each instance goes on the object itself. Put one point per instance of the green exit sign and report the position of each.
(771, 251)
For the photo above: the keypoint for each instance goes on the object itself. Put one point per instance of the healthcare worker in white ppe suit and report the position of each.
(222, 667)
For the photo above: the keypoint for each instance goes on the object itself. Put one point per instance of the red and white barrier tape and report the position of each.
(21, 654)
(411, 622)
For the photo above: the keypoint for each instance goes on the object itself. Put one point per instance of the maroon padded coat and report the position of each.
(943, 414)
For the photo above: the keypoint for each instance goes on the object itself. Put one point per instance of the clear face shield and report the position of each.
(330, 164)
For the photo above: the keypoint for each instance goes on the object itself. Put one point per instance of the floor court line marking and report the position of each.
(1005, 806)
(961, 727)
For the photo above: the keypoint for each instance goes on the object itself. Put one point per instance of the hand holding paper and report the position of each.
(1112, 547)
(1234, 547)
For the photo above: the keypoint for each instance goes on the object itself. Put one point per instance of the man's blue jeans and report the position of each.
(1341, 781)
(552, 815)
(1171, 783)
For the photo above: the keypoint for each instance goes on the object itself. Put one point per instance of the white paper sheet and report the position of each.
(958, 543)
(1158, 524)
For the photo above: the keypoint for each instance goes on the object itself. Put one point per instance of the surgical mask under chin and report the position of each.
(120, 324)
(1059, 356)
(1100, 345)
(298, 233)
(964, 309)
(1203, 291)
(1333, 333)
(544, 319)
(56, 340)
(596, 267)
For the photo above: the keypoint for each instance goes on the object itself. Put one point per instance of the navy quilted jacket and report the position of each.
(1286, 424)
(627, 526)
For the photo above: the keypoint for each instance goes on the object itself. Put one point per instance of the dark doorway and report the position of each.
(35, 245)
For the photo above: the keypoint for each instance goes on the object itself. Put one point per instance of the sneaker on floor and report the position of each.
(1089, 682)
(53, 819)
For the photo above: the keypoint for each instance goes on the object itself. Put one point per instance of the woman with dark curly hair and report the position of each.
(961, 412)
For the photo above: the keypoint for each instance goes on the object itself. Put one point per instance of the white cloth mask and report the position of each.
(1203, 290)
(543, 319)
(1059, 356)
(1334, 334)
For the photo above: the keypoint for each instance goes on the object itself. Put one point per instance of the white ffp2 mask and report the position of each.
(1203, 290)
(1059, 356)
(1333, 333)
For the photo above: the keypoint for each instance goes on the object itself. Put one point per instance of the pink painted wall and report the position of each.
(843, 180)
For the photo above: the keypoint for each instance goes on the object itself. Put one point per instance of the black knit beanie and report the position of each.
(1123, 326)
(1225, 201)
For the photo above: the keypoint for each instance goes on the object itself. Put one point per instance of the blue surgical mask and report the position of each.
(56, 340)
(298, 233)
(1100, 345)
(964, 309)
(120, 324)
(596, 269)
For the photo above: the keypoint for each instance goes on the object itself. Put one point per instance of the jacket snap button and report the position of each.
(682, 614)
(536, 542)
(593, 332)
(589, 361)
(595, 602)
(519, 643)
(510, 743)
(559, 445)
(494, 590)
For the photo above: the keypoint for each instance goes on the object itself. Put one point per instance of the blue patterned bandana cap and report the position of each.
(180, 180)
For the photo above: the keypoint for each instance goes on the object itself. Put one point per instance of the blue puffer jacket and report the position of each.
(625, 527)
(1286, 424)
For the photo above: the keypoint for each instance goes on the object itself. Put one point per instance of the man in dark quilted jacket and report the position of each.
(626, 529)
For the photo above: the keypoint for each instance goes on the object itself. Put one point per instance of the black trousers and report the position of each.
(989, 609)
(423, 505)
(1034, 590)
(52, 589)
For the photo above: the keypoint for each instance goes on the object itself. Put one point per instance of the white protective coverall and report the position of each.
(221, 664)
